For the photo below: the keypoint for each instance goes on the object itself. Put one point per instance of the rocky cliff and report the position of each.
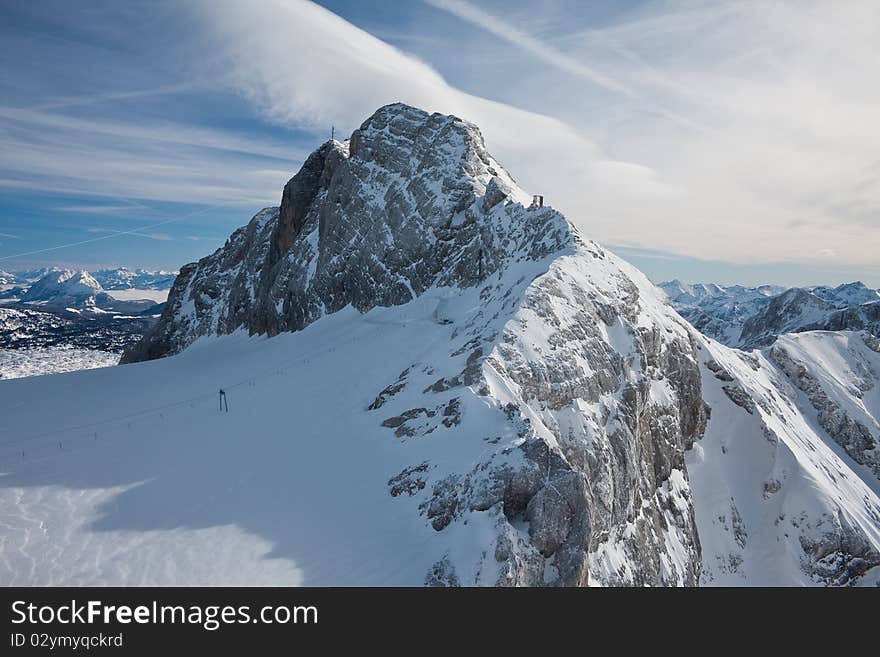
(409, 202)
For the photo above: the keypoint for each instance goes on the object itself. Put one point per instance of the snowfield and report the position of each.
(15, 363)
(289, 487)
(770, 482)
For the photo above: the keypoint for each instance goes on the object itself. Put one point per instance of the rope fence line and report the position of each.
(278, 369)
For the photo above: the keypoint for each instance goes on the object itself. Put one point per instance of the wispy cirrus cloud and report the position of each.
(718, 125)
(344, 74)
(66, 102)
(73, 162)
(714, 132)
(162, 237)
(152, 160)
(540, 48)
(87, 208)
(165, 132)
(760, 113)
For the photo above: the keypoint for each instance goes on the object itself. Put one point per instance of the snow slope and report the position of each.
(15, 363)
(299, 497)
(778, 499)
(135, 476)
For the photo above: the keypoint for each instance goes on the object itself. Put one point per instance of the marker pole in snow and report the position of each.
(223, 405)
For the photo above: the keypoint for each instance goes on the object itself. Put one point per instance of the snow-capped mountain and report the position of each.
(749, 317)
(74, 291)
(64, 288)
(31, 275)
(791, 311)
(120, 278)
(702, 292)
(719, 311)
(846, 295)
(461, 389)
(27, 276)
(862, 317)
(66, 321)
(123, 278)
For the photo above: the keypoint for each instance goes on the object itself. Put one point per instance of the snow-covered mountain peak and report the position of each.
(70, 291)
(123, 278)
(64, 286)
(847, 294)
(411, 201)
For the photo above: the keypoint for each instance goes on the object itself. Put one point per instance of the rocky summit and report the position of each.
(411, 201)
(526, 408)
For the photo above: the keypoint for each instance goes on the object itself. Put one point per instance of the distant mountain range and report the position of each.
(66, 319)
(752, 317)
(120, 278)
(123, 278)
(79, 291)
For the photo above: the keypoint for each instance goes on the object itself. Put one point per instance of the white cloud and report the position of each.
(740, 132)
(731, 124)
(160, 165)
(307, 67)
(86, 208)
(153, 131)
(786, 156)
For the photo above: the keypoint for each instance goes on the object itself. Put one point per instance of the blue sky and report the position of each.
(732, 142)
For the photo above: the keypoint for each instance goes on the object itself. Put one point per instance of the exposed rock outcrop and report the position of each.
(853, 435)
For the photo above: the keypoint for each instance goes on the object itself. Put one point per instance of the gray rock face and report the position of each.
(600, 467)
(372, 222)
(840, 556)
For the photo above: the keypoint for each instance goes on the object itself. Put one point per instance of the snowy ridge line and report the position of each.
(278, 370)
